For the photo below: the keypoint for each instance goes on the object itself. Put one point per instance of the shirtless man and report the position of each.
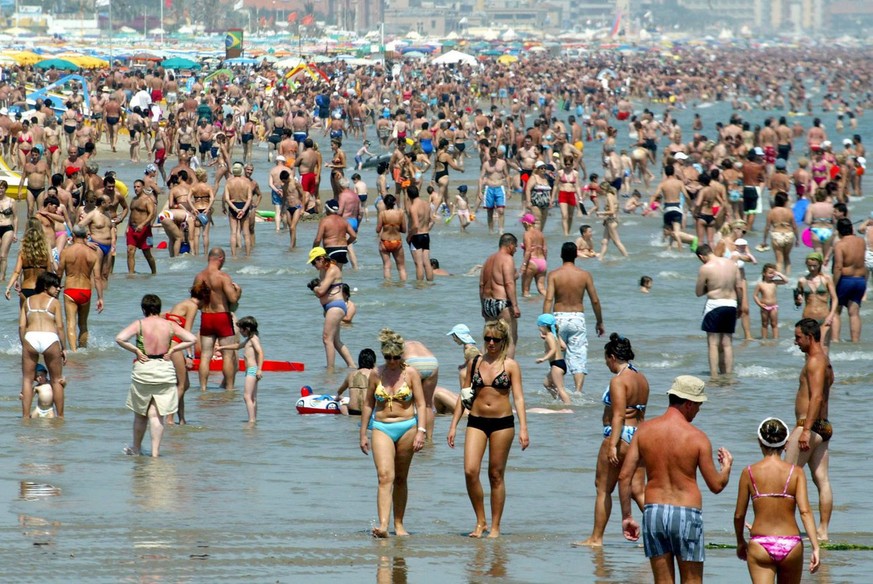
(719, 279)
(205, 135)
(277, 195)
(216, 320)
(112, 109)
(850, 278)
(672, 191)
(309, 166)
(565, 296)
(527, 158)
(672, 450)
(418, 235)
(238, 198)
(143, 210)
(36, 177)
(350, 210)
(783, 139)
(103, 233)
(497, 289)
(808, 442)
(52, 138)
(754, 176)
(81, 265)
(493, 188)
(335, 234)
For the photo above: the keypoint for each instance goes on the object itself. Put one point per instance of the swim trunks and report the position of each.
(307, 182)
(420, 242)
(751, 199)
(495, 197)
(216, 324)
(276, 197)
(426, 366)
(339, 254)
(492, 307)
(720, 316)
(822, 427)
(80, 296)
(141, 239)
(670, 529)
(672, 214)
(571, 329)
(851, 289)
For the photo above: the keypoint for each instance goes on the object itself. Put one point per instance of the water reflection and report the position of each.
(31, 491)
(155, 484)
(392, 568)
(490, 560)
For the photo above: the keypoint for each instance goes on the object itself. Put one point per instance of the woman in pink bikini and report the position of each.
(777, 490)
(534, 266)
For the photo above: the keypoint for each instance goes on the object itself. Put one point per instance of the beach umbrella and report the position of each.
(83, 61)
(180, 63)
(492, 53)
(62, 64)
(414, 55)
(507, 59)
(25, 57)
(453, 57)
(143, 56)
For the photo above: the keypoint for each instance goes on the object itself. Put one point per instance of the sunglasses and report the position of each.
(493, 339)
(392, 357)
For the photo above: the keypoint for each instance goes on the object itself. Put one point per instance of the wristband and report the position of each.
(422, 429)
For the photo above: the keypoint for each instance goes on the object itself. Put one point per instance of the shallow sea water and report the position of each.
(293, 499)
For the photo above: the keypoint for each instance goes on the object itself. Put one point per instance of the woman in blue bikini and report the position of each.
(394, 400)
(777, 489)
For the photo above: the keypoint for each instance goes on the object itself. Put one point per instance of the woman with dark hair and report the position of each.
(624, 401)
(41, 332)
(390, 225)
(777, 490)
(395, 401)
(782, 229)
(443, 160)
(153, 391)
(357, 382)
(491, 424)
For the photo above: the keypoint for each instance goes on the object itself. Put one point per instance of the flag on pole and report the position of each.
(292, 17)
(308, 20)
(616, 26)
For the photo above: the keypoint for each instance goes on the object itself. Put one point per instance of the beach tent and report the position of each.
(310, 70)
(453, 57)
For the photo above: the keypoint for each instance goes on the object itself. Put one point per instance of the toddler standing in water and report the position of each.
(461, 208)
(254, 357)
(765, 298)
(554, 381)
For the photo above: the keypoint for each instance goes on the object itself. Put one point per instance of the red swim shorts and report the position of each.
(216, 324)
(80, 296)
(622, 116)
(568, 197)
(141, 239)
(307, 181)
(160, 156)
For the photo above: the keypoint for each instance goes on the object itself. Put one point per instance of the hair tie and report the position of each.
(772, 444)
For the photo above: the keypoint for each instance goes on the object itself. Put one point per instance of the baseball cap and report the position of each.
(680, 156)
(462, 188)
(280, 158)
(462, 331)
(331, 205)
(528, 218)
(539, 164)
(741, 241)
(688, 387)
(759, 151)
(780, 163)
(71, 170)
(151, 168)
(847, 142)
(315, 253)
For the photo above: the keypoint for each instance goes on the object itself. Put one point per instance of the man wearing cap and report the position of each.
(238, 200)
(809, 440)
(565, 296)
(673, 195)
(493, 188)
(672, 450)
(335, 235)
(754, 176)
(216, 320)
(719, 279)
(143, 210)
(80, 263)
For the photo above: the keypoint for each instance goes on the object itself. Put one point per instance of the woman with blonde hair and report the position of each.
(395, 401)
(777, 490)
(491, 424)
(34, 258)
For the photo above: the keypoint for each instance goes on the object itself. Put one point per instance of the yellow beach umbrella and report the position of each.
(507, 59)
(87, 62)
(25, 57)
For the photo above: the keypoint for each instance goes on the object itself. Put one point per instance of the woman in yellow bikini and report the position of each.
(394, 393)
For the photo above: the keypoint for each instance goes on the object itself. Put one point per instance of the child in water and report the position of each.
(359, 156)
(351, 309)
(254, 357)
(461, 208)
(554, 381)
(645, 284)
(765, 298)
(45, 405)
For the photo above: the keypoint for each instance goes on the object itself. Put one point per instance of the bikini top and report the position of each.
(403, 393)
(41, 310)
(822, 289)
(608, 402)
(784, 494)
(7, 211)
(501, 381)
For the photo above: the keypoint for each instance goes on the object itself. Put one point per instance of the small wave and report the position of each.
(760, 372)
(181, 265)
(665, 364)
(850, 355)
(251, 270)
(671, 275)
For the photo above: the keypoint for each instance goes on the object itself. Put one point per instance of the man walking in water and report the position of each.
(672, 450)
(808, 442)
(565, 295)
(216, 320)
(719, 280)
(497, 288)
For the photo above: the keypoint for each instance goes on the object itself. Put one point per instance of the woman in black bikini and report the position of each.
(442, 162)
(491, 423)
(8, 227)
